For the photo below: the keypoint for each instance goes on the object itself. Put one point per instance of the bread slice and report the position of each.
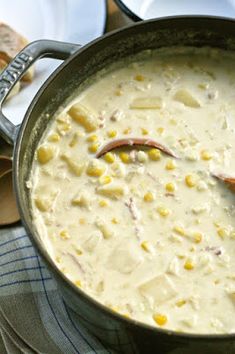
(11, 43)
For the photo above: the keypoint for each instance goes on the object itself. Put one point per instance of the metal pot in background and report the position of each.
(116, 332)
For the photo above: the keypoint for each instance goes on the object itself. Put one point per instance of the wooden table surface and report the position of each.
(116, 18)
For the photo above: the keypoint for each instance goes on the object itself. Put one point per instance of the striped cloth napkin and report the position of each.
(33, 316)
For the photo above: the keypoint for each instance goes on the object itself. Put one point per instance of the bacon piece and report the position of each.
(135, 215)
(133, 209)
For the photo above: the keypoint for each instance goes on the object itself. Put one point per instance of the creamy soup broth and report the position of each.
(146, 234)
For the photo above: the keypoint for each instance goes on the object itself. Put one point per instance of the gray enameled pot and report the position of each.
(116, 332)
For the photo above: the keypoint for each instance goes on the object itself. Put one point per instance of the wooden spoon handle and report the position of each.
(9, 212)
(117, 143)
(230, 181)
(5, 165)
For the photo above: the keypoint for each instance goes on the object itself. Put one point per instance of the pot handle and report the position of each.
(18, 67)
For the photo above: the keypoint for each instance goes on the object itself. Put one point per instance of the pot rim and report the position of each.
(128, 322)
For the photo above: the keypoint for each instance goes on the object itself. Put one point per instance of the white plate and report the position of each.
(146, 9)
(76, 21)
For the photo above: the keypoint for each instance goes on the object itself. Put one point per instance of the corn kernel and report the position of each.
(64, 270)
(232, 234)
(109, 157)
(78, 251)
(181, 256)
(92, 138)
(160, 319)
(222, 232)
(64, 235)
(115, 308)
(170, 187)
(197, 237)
(160, 130)
(82, 221)
(154, 154)
(94, 170)
(203, 86)
(170, 165)
(145, 246)
(180, 303)
(45, 154)
(127, 315)
(63, 127)
(179, 230)
(105, 179)
(206, 155)
(188, 265)
(173, 121)
(103, 203)
(58, 259)
(149, 197)
(124, 157)
(144, 131)
(127, 131)
(74, 140)
(216, 223)
(112, 133)
(190, 181)
(115, 221)
(54, 138)
(78, 283)
(42, 204)
(118, 92)
(163, 211)
(93, 147)
(139, 77)
(63, 117)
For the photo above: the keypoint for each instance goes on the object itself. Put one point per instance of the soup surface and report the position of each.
(148, 235)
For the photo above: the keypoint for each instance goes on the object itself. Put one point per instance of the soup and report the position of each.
(149, 235)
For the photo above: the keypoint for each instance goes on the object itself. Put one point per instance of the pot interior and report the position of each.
(79, 70)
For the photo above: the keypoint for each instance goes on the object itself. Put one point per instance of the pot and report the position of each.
(121, 334)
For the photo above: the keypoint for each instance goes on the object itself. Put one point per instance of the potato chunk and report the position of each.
(158, 289)
(83, 116)
(83, 200)
(74, 166)
(185, 97)
(124, 259)
(92, 241)
(106, 231)
(44, 201)
(147, 103)
(112, 190)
